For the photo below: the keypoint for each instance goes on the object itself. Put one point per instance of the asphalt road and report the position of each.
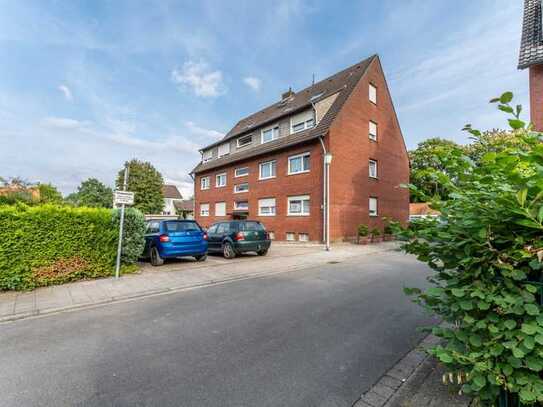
(316, 337)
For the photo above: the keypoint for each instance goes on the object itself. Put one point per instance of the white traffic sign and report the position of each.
(123, 198)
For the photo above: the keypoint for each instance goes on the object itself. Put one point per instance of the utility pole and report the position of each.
(121, 225)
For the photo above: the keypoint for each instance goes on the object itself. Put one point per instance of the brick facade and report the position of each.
(536, 96)
(350, 185)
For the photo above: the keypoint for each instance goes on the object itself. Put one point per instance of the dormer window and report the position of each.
(270, 134)
(244, 141)
(207, 155)
(302, 121)
(224, 149)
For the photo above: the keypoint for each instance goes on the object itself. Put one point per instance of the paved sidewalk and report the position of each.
(178, 275)
(415, 381)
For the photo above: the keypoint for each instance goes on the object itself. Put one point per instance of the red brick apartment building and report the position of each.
(531, 57)
(271, 165)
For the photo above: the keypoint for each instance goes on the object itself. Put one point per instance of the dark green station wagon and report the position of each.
(238, 236)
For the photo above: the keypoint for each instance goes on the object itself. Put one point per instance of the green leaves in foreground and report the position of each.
(486, 252)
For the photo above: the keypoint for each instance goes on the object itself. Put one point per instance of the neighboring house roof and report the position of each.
(186, 206)
(171, 191)
(342, 82)
(422, 208)
(531, 45)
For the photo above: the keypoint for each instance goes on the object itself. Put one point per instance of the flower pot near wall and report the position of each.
(376, 239)
(388, 238)
(363, 240)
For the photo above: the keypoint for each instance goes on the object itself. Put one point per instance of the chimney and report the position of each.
(536, 96)
(287, 94)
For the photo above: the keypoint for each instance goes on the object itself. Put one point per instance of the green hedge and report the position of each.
(51, 244)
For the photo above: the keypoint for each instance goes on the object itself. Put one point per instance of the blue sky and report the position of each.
(86, 85)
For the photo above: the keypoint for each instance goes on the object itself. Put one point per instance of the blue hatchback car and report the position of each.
(174, 238)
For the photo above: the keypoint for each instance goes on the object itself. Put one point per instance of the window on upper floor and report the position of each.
(372, 93)
(220, 180)
(224, 149)
(270, 134)
(204, 183)
(372, 168)
(266, 207)
(244, 141)
(373, 131)
(241, 172)
(267, 169)
(372, 206)
(302, 121)
(239, 188)
(298, 205)
(298, 164)
(207, 155)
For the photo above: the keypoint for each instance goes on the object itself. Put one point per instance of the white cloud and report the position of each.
(200, 131)
(66, 92)
(253, 83)
(63, 123)
(200, 78)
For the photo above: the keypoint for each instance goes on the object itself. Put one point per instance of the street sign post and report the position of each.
(122, 198)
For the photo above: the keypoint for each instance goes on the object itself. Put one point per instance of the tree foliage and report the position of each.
(435, 164)
(49, 194)
(146, 182)
(92, 193)
(486, 251)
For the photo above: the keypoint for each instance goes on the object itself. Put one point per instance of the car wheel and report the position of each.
(228, 251)
(201, 257)
(156, 260)
(262, 252)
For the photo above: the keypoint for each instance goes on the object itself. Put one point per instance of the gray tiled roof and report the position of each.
(171, 191)
(531, 46)
(342, 82)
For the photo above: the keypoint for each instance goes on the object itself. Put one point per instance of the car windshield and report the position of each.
(251, 226)
(172, 227)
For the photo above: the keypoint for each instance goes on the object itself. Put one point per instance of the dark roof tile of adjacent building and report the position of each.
(171, 191)
(186, 206)
(342, 82)
(531, 46)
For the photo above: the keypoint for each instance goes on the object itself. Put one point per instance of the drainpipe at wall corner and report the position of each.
(327, 160)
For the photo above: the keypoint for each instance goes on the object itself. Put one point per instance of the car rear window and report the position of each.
(172, 227)
(251, 226)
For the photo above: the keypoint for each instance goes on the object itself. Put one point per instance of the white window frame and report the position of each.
(301, 198)
(236, 188)
(306, 118)
(204, 209)
(222, 206)
(207, 156)
(293, 157)
(372, 93)
(225, 149)
(375, 172)
(245, 144)
(236, 175)
(305, 237)
(206, 181)
(372, 136)
(237, 207)
(373, 200)
(267, 203)
(293, 234)
(218, 176)
(275, 135)
(273, 163)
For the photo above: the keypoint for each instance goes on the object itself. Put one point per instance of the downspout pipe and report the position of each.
(326, 196)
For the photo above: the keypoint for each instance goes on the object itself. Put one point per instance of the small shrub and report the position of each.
(388, 230)
(375, 232)
(363, 230)
(133, 234)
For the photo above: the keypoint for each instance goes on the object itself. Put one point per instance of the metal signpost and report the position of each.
(122, 198)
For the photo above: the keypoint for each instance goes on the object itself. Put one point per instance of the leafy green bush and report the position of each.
(375, 232)
(51, 244)
(133, 234)
(363, 230)
(486, 251)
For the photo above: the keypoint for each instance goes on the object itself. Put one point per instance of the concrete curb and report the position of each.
(407, 375)
(156, 292)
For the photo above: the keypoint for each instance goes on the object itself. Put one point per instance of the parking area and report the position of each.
(277, 251)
